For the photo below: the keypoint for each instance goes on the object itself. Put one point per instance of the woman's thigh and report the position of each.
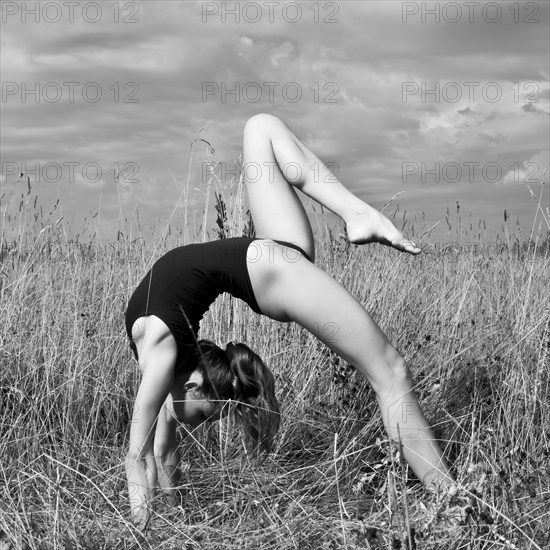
(276, 210)
(304, 293)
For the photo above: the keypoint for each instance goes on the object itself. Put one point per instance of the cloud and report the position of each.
(282, 53)
(531, 108)
(465, 112)
(350, 74)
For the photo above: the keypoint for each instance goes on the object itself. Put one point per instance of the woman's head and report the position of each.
(238, 374)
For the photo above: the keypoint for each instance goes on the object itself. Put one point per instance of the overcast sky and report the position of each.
(395, 94)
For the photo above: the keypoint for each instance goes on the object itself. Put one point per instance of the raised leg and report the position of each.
(276, 161)
(316, 301)
(274, 205)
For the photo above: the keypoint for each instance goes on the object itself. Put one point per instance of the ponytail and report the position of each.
(238, 374)
(257, 409)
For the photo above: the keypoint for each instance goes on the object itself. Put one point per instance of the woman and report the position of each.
(188, 381)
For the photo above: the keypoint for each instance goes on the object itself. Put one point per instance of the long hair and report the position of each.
(240, 375)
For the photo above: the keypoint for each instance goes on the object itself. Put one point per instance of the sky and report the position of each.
(438, 103)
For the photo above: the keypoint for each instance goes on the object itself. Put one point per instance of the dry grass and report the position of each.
(474, 327)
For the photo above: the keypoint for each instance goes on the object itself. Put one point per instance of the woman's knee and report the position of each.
(394, 376)
(262, 123)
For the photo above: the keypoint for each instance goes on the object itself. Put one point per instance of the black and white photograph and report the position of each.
(274, 275)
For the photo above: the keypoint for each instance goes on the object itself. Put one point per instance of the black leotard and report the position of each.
(182, 284)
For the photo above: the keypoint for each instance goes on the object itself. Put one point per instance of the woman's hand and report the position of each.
(142, 480)
(141, 517)
(175, 497)
(168, 455)
(169, 477)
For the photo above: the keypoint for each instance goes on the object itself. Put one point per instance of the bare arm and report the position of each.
(141, 469)
(167, 452)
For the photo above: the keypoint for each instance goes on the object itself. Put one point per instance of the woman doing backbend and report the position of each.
(183, 381)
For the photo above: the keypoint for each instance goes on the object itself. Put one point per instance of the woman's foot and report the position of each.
(372, 226)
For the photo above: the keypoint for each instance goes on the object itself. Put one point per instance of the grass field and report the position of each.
(473, 323)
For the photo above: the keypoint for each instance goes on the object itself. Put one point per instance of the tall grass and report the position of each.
(473, 324)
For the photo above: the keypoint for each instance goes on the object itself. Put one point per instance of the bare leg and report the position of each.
(275, 207)
(274, 158)
(316, 301)
(305, 294)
